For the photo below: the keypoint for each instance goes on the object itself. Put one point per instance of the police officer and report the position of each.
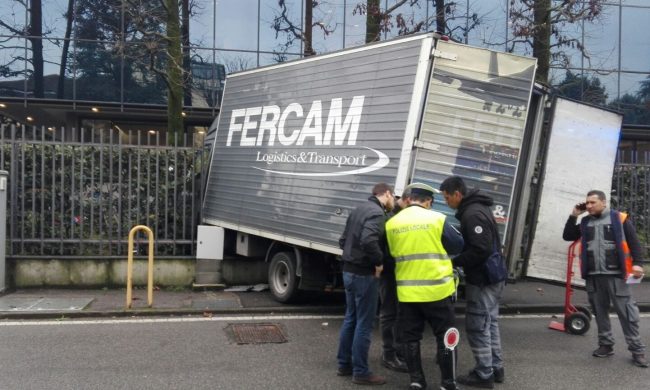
(421, 241)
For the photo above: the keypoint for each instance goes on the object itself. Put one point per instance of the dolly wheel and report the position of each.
(577, 323)
(585, 310)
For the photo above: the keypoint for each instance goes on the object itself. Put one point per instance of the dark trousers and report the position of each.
(360, 311)
(412, 318)
(388, 315)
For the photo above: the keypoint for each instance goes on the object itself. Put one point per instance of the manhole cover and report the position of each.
(256, 333)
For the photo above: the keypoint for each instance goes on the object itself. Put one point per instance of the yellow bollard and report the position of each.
(129, 267)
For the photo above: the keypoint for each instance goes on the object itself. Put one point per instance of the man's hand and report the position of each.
(637, 271)
(578, 209)
(378, 269)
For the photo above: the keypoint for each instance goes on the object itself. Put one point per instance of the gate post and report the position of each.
(3, 226)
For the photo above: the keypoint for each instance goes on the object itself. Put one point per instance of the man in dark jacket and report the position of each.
(392, 354)
(481, 235)
(611, 253)
(364, 245)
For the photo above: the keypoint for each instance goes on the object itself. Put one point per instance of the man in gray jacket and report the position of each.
(611, 253)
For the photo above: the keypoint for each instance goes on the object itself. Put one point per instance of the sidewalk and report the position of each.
(523, 296)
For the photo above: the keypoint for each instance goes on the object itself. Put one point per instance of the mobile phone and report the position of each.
(582, 206)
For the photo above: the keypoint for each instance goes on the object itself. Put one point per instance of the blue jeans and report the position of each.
(361, 298)
(482, 325)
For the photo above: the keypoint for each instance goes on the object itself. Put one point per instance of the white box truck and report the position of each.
(298, 145)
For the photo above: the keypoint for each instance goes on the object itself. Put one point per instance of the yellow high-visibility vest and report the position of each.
(423, 269)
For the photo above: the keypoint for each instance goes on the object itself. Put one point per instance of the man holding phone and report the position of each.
(611, 253)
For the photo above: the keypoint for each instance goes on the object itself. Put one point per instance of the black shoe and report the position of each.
(604, 351)
(639, 360)
(417, 386)
(499, 375)
(370, 380)
(472, 379)
(446, 385)
(394, 364)
(344, 371)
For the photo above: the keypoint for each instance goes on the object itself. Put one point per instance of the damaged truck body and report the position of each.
(298, 145)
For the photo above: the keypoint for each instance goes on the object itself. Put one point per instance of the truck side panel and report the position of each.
(300, 144)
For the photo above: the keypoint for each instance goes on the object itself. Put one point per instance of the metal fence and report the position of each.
(631, 193)
(78, 192)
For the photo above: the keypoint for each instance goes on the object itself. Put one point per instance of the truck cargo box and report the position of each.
(298, 145)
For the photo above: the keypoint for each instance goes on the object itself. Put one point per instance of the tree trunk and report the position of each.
(60, 88)
(309, 8)
(174, 73)
(36, 39)
(373, 21)
(187, 62)
(441, 24)
(542, 39)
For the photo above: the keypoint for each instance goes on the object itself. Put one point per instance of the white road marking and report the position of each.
(170, 320)
(233, 318)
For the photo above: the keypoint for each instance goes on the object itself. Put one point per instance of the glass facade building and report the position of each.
(111, 51)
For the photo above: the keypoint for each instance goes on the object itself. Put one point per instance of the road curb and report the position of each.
(313, 310)
(276, 310)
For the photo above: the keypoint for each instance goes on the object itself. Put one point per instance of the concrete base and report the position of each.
(100, 273)
(78, 273)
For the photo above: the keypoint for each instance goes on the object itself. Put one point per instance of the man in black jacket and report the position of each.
(364, 248)
(481, 235)
(611, 253)
(392, 354)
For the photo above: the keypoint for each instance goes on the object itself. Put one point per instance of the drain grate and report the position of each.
(256, 333)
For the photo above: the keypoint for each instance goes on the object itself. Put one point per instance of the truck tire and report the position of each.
(283, 281)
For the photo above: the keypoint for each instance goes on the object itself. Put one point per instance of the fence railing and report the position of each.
(78, 192)
(631, 193)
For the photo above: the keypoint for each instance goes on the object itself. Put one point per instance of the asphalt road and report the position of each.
(198, 353)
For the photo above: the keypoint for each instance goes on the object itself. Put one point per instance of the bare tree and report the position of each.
(284, 24)
(542, 26)
(69, 17)
(34, 33)
(237, 64)
(187, 61)
(157, 24)
(35, 37)
(174, 75)
(401, 16)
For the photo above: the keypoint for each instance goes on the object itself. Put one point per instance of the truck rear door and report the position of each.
(474, 121)
(580, 156)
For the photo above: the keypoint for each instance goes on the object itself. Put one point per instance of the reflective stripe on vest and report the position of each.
(625, 248)
(423, 269)
(424, 282)
(422, 256)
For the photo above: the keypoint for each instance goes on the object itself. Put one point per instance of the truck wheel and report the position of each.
(577, 323)
(283, 281)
